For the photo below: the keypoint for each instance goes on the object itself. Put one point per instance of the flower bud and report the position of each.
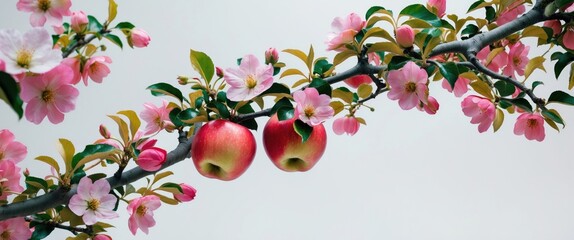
(139, 38)
(271, 56)
(182, 80)
(102, 237)
(104, 132)
(219, 72)
(151, 159)
(79, 21)
(555, 25)
(405, 36)
(187, 195)
(26, 172)
(437, 6)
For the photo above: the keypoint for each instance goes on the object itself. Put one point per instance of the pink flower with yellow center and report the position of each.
(45, 11)
(481, 110)
(517, 60)
(96, 68)
(249, 80)
(312, 108)
(49, 94)
(347, 124)
(345, 31)
(408, 85)
(31, 51)
(531, 125)
(15, 229)
(157, 118)
(9, 179)
(141, 213)
(93, 201)
(11, 150)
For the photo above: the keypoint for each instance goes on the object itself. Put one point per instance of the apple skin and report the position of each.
(285, 147)
(223, 150)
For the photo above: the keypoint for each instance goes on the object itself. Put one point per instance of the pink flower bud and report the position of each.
(271, 56)
(347, 124)
(188, 193)
(568, 39)
(151, 159)
(182, 80)
(437, 6)
(357, 80)
(405, 36)
(79, 21)
(219, 72)
(104, 132)
(102, 237)
(26, 172)
(139, 38)
(431, 107)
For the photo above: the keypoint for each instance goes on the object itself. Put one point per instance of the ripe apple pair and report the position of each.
(224, 150)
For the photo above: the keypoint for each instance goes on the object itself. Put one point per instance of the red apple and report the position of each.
(286, 149)
(223, 150)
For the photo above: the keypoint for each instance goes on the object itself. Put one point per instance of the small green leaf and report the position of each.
(41, 231)
(250, 124)
(536, 84)
(450, 72)
(373, 10)
(397, 62)
(135, 122)
(283, 102)
(114, 39)
(94, 25)
(554, 116)
(222, 108)
(561, 97)
(165, 89)
(173, 117)
(277, 88)
(563, 3)
(285, 113)
(112, 10)
(187, 114)
(321, 67)
(365, 90)
(504, 88)
(563, 60)
(125, 27)
(344, 94)
(521, 103)
(203, 64)
(92, 152)
(303, 129)
(322, 86)
(421, 12)
(10, 93)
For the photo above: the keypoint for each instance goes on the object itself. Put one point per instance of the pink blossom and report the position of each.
(511, 12)
(139, 38)
(79, 21)
(346, 124)
(555, 25)
(49, 94)
(15, 229)
(437, 6)
(75, 64)
(312, 108)
(271, 56)
(481, 111)
(499, 61)
(157, 118)
(31, 51)
(10, 175)
(408, 85)
(96, 68)
(345, 31)
(357, 80)
(374, 58)
(568, 38)
(93, 201)
(249, 80)
(517, 60)
(460, 86)
(431, 107)
(141, 213)
(187, 195)
(102, 237)
(104, 132)
(45, 11)
(219, 72)
(151, 159)
(531, 125)
(11, 150)
(405, 36)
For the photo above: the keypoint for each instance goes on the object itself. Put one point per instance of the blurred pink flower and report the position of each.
(271, 56)
(79, 21)
(438, 6)
(517, 60)
(555, 25)
(431, 107)
(15, 229)
(11, 150)
(49, 94)
(151, 158)
(188, 193)
(96, 68)
(460, 86)
(139, 38)
(357, 80)
(568, 38)
(249, 80)
(2, 66)
(10, 175)
(157, 118)
(312, 108)
(346, 124)
(511, 12)
(45, 11)
(405, 36)
(481, 111)
(31, 51)
(141, 213)
(93, 201)
(497, 62)
(102, 237)
(531, 125)
(75, 64)
(408, 85)
(345, 31)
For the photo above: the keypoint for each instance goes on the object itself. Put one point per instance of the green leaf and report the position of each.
(504, 88)
(450, 72)
(303, 129)
(344, 94)
(250, 124)
(171, 187)
(285, 113)
(173, 117)
(283, 102)
(41, 231)
(470, 30)
(373, 10)
(135, 122)
(563, 3)
(92, 152)
(94, 25)
(10, 93)
(50, 161)
(365, 90)
(277, 88)
(321, 67)
(536, 84)
(322, 86)
(202, 64)
(36, 182)
(126, 27)
(563, 60)
(187, 114)
(521, 103)
(490, 13)
(475, 5)
(165, 89)
(421, 12)
(561, 97)
(114, 39)
(397, 62)
(554, 116)
(112, 10)
(223, 111)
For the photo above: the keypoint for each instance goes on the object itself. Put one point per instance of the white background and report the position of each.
(406, 175)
